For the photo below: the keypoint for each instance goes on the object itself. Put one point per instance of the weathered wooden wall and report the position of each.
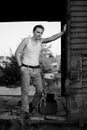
(77, 56)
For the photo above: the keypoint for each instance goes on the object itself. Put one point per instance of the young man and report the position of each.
(29, 65)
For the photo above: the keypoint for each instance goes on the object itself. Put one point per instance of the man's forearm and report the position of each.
(18, 59)
(56, 36)
(60, 34)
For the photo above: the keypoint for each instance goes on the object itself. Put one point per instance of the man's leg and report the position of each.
(25, 82)
(39, 89)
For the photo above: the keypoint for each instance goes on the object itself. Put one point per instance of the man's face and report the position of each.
(38, 33)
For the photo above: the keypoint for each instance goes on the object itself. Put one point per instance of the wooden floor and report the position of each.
(9, 105)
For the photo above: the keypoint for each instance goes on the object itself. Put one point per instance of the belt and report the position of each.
(34, 67)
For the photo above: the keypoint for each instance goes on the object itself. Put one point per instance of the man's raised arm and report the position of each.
(54, 37)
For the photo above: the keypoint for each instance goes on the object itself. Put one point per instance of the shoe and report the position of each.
(31, 108)
(37, 116)
(25, 115)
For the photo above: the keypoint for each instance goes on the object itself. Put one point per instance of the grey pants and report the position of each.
(26, 75)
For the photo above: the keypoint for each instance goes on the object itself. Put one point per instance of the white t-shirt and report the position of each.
(31, 53)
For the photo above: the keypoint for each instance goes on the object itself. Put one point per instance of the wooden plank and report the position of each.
(78, 41)
(78, 3)
(78, 8)
(84, 68)
(84, 58)
(80, 19)
(84, 74)
(82, 30)
(75, 53)
(78, 35)
(84, 84)
(78, 91)
(84, 78)
(78, 14)
(79, 46)
(79, 24)
(76, 50)
(81, 50)
(84, 62)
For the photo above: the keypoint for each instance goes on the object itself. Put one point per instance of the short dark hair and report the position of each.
(38, 26)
